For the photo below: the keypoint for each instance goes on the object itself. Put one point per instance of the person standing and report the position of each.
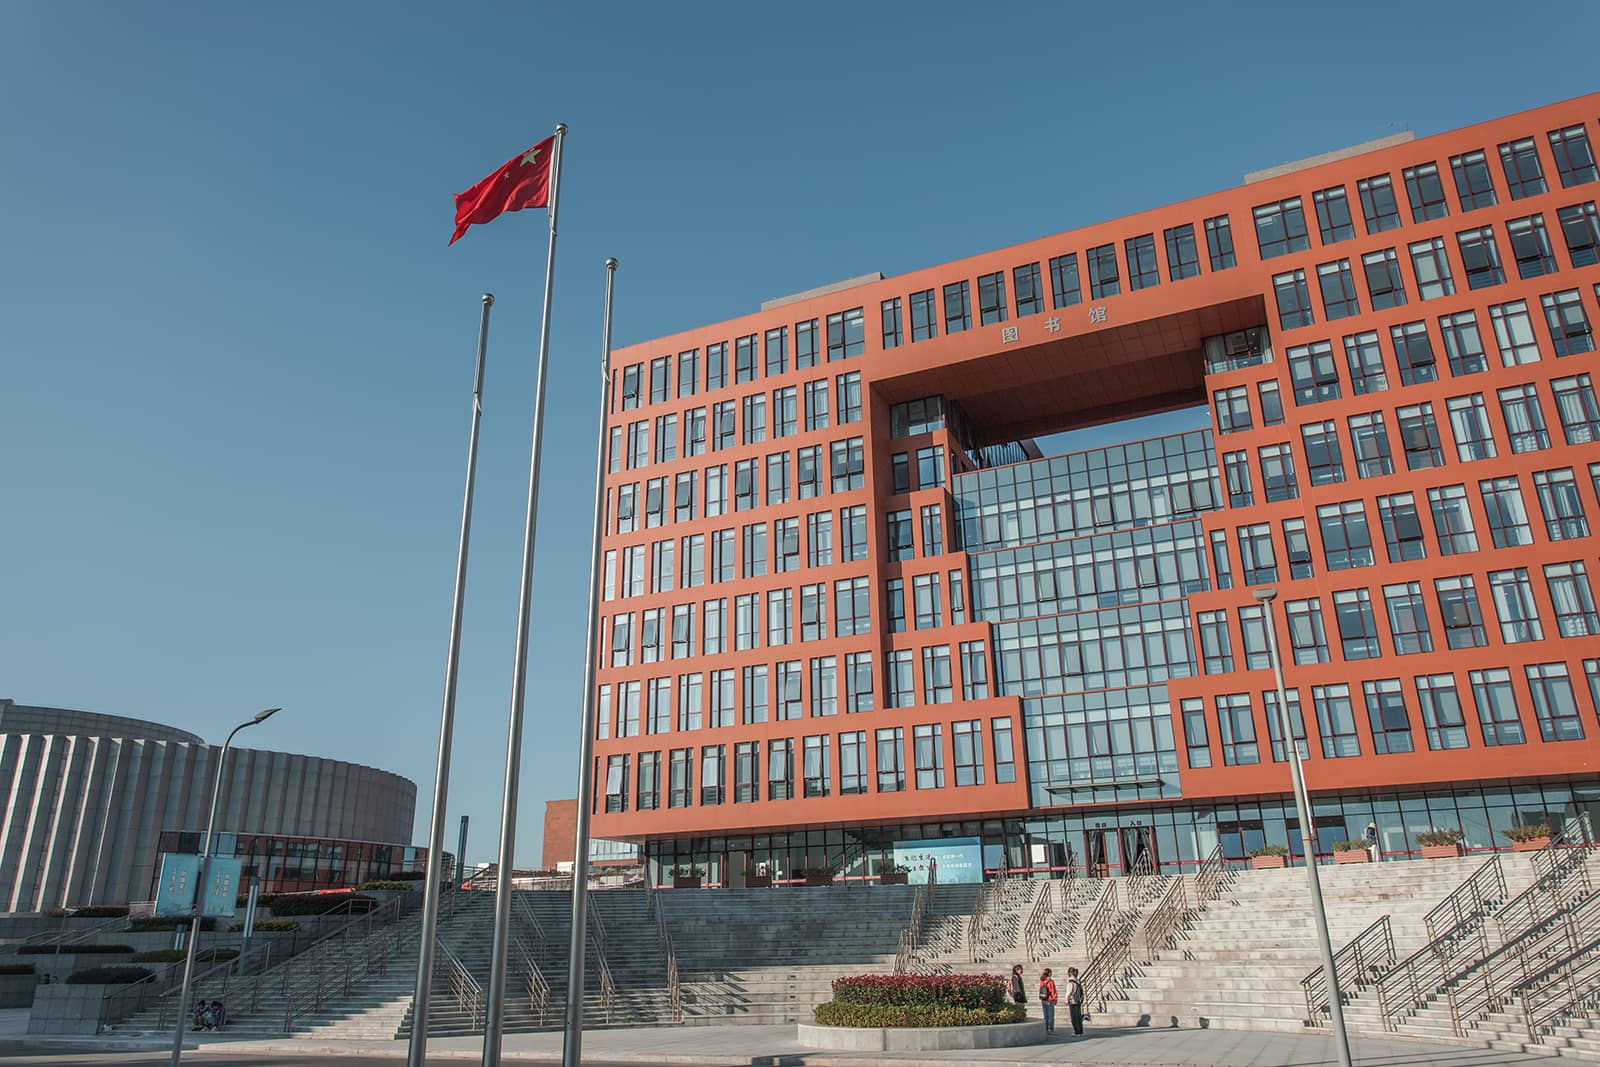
(1047, 1000)
(1075, 1000)
(1017, 994)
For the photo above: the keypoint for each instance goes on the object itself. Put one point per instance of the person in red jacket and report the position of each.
(1047, 1000)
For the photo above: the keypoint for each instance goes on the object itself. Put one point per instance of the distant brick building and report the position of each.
(561, 833)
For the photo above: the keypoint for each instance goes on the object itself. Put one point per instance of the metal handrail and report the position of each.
(1576, 833)
(533, 981)
(1556, 991)
(1035, 924)
(597, 945)
(1208, 877)
(1107, 967)
(463, 987)
(668, 954)
(1167, 919)
(1067, 883)
(59, 936)
(911, 935)
(379, 943)
(975, 923)
(1142, 880)
(1529, 907)
(525, 915)
(1472, 899)
(1362, 959)
(1407, 987)
(1098, 927)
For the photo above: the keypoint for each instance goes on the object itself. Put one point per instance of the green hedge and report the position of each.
(834, 1013)
(110, 976)
(984, 992)
(16, 968)
(69, 950)
(267, 926)
(388, 884)
(100, 911)
(152, 925)
(315, 903)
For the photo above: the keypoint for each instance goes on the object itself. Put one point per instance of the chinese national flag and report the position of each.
(523, 182)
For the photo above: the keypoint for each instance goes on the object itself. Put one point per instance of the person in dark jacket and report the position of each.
(1017, 994)
(1075, 1000)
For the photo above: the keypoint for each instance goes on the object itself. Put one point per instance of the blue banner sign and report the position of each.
(222, 887)
(959, 859)
(180, 882)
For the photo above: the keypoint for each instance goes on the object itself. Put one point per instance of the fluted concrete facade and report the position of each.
(87, 797)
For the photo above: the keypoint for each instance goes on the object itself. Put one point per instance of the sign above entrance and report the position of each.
(959, 859)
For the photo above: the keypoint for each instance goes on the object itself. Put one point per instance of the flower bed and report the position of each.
(919, 1000)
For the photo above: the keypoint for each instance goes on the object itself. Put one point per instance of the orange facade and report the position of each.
(1371, 334)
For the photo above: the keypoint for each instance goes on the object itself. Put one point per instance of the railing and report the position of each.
(364, 945)
(1559, 989)
(533, 982)
(1363, 959)
(1035, 924)
(980, 908)
(1531, 906)
(597, 947)
(1576, 833)
(1107, 968)
(668, 954)
(525, 915)
(1208, 877)
(1471, 901)
(1097, 928)
(115, 1006)
(1068, 882)
(1167, 919)
(911, 935)
(1414, 981)
(63, 937)
(1143, 880)
(464, 988)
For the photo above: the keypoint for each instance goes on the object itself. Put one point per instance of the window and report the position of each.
(1346, 541)
(847, 332)
(1005, 768)
(638, 444)
(1271, 403)
(1402, 528)
(630, 386)
(925, 599)
(924, 319)
(1408, 618)
(716, 366)
(1064, 285)
(1414, 353)
(1338, 290)
(1530, 247)
(819, 539)
(1216, 653)
(1298, 548)
(1323, 460)
(824, 686)
(858, 681)
(851, 612)
(932, 520)
(1419, 436)
(1458, 607)
(627, 498)
(1364, 357)
(1297, 724)
(957, 307)
(853, 533)
(1469, 424)
(1253, 637)
(1236, 726)
(847, 465)
(1452, 520)
(817, 405)
(1386, 711)
(660, 379)
(714, 628)
(1026, 289)
(1462, 343)
(1513, 332)
(966, 749)
(1143, 271)
(755, 419)
(1512, 594)
(899, 687)
(745, 367)
(1572, 598)
(1333, 215)
(722, 704)
(1569, 326)
(778, 478)
(755, 694)
(746, 772)
(1520, 159)
(1314, 373)
(808, 466)
(1196, 745)
(1358, 630)
(1474, 187)
(1308, 641)
(1564, 518)
(1508, 519)
(1183, 258)
(785, 420)
(1233, 409)
(1426, 192)
(1580, 226)
(1384, 282)
(680, 773)
(805, 343)
(1219, 242)
(1256, 556)
(1442, 720)
(1281, 228)
(1103, 278)
(1370, 440)
(1277, 473)
(847, 390)
(694, 432)
(1378, 205)
(1294, 301)
(974, 671)
(1336, 721)
(789, 706)
(816, 773)
(746, 484)
(777, 351)
(992, 298)
(1236, 475)
(1219, 559)
(1578, 408)
(1497, 707)
(1555, 705)
(890, 313)
(891, 767)
(616, 783)
(1519, 405)
(1574, 158)
(937, 684)
(853, 763)
(688, 373)
(1431, 265)
(1480, 257)
(901, 544)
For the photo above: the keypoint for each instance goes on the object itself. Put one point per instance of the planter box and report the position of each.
(819, 879)
(920, 1038)
(1531, 845)
(902, 878)
(758, 881)
(686, 881)
(1440, 852)
(1268, 863)
(1354, 855)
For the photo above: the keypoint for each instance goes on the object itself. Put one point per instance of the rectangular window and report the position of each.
(1564, 518)
(1236, 728)
(1512, 594)
(1232, 409)
(1442, 720)
(1324, 463)
(1370, 440)
(680, 772)
(1519, 405)
(901, 543)
(853, 533)
(1408, 619)
(688, 372)
(1513, 332)
(1530, 247)
(847, 390)
(1298, 548)
(1294, 300)
(1196, 744)
(899, 683)
(1219, 560)
(974, 671)
(992, 298)
(966, 750)
(660, 379)
(1277, 473)
(1385, 285)
(1480, 257)
(824, 686)
(1065, 287)
(1143, 270)
(616, 784)
(890, 312)
(788, 695)
(1413, 352)
(1573, 599)
(1271, 402)
(1183, 257)
(745, 366)
(1256, 556)
(777, 351)
(1346, 540)
(1336, 721)
(858, 680)
(1386, 712)
(1452, 520)
(785, 418)
(1236, 476)
(1216, 651)
(754, 416)
(1580, 227)
(816, 771)
(1474, 186)
(1555, 704)
(716, 366)
(747, 772)
(853, 763)
(1574, 157)
(1579, 409)
(937, 682)
(1297, 724)
(805, 344)
(1219, 243)
(630, 386)
(1569, 326)
(1402, 528)
(1458, 608)
(1431, 264)
(1497, 707)
(817, 405)
(1281, 228)
(847, 334)
(1419, 436)
(1026, 290)
(1508, 518)
(1463, 345)
(924, 316)
(1426, 192)
(1469, 425)
(1333, 215)
(1338, 287)
(1364, 357)
(1520, 160)
(848, 469)
(1104, 279)
(1314, 373)
(957, 307)
(1358, 630)
(1378, 204)
(891, 765)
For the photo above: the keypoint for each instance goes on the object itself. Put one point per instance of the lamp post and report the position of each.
(1308, 836)
(205, 856)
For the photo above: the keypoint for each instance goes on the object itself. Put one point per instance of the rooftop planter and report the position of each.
(1269, 858)
(1528, 837)
(1351, 852)
(1437, 844)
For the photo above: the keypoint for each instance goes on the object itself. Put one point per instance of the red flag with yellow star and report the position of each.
(523, 182)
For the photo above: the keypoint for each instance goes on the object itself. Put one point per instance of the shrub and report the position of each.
(894, 868)
(153, 925)
(836, 1014)
(409, 876)
(1269, 850)
(160, 955)
(110, 976)
(819, 873)
(16, 968)
(68, 950)
(267, 926)
(1528, 831)
(1437, 836)
(977, 991)
(315, 903)
(388, 884)
(100, 911)
(1349, 846)
(688, 872)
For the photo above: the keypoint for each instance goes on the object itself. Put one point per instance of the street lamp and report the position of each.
(205, 856)
(1308, 836)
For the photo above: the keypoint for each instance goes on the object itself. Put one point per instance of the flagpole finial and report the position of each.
(611, 263)
(488, 299)
(561, 127)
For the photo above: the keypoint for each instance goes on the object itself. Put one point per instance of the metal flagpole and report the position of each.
(572, 1040)
(495, 1015)
(417, 1054)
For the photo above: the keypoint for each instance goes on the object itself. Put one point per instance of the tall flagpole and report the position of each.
(417, 1054)
(495, 1016)
(572, 1039)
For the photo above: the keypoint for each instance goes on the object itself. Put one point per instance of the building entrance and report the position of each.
(1138, 842)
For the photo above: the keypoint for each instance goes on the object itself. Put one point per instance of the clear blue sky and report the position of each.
(235, 352)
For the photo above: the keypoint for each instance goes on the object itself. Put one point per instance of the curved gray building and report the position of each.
(92, 800)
